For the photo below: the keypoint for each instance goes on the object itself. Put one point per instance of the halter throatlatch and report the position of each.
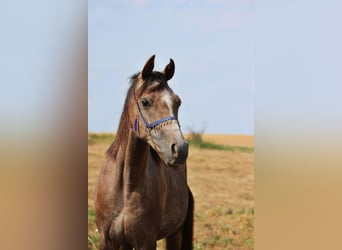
(150, 125)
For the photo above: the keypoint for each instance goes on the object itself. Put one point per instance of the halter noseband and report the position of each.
(149, 125)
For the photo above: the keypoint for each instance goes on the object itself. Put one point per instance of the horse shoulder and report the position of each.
(108, 193)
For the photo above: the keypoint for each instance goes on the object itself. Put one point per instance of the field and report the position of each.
(221, 177)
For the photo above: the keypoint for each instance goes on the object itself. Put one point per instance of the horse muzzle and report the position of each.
(178, 153)
(170, 144)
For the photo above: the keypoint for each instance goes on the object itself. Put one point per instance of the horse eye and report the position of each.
(145, 102)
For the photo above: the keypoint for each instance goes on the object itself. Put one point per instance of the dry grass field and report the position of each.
(230, 140)
(222, 184)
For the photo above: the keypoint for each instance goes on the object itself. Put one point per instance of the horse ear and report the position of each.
(169, 70)
(148, 68)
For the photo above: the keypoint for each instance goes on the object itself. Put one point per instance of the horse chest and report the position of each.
(159, 206)
(174, 202)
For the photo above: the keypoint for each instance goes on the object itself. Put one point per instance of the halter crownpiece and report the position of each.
(149, 125)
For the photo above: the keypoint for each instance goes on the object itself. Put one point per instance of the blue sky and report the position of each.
(211, 42)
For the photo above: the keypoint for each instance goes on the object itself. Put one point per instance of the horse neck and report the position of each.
(135, 162)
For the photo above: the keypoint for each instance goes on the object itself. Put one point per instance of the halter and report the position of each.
(149, 125)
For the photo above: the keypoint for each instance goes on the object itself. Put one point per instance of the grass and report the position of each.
(210, 145)
(222, 184)
(93, 235)
(196, 139)
(100, 138)
(225, 229)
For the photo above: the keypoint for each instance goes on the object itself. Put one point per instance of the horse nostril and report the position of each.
(173, 148)
(179, 150)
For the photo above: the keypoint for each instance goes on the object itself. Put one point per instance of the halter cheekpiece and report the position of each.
(149, 125)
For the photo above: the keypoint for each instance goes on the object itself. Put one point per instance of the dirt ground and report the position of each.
(222, 185)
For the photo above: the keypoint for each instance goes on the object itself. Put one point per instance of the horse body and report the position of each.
(142, 193)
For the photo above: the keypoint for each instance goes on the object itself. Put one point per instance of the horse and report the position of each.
(142, 194)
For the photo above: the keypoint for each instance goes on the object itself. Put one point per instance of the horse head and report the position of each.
(154, 113)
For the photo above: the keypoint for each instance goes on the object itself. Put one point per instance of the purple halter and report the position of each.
(149, 125)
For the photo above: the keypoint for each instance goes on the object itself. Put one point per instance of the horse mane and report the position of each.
(121, 137)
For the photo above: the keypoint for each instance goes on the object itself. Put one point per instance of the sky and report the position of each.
(297, 96)
(211, 42)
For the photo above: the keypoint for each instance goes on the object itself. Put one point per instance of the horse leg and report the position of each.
(104, 242)
(126, 247)
(147, 246)
(182, 238)
(187, 231)
(174, 241)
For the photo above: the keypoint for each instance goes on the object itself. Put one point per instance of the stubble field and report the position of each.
(222, 184)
